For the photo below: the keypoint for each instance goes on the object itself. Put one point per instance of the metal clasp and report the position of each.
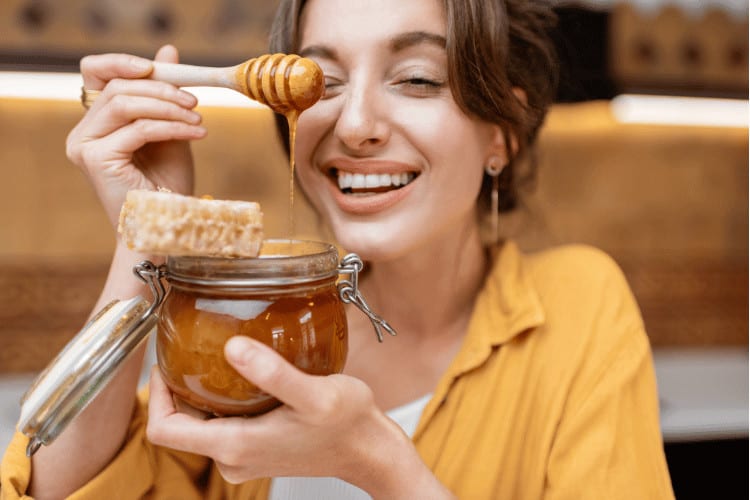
(351, 264)
(152, 275)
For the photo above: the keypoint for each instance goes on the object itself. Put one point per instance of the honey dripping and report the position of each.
(286, 83)
(291, 119)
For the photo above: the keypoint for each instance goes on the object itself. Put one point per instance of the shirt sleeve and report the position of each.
(608, 443)
(15, 470)
(139, 470)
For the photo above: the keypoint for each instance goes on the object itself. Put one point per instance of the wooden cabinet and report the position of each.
(205, 31)
(670, 49)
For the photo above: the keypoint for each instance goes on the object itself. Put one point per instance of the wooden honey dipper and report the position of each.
(286, 83)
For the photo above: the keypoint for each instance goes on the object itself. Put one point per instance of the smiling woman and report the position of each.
(513, 375)
(457, 61)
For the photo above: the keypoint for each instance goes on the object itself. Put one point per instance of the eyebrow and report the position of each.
(320, 51)
(412, 38)
(398, 43)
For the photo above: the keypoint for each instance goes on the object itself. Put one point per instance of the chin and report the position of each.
(373, 242)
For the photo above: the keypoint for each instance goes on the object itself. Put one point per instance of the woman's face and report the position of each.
(387, 157)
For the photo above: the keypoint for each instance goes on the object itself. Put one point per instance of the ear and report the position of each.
(498, 150)
(498, 145)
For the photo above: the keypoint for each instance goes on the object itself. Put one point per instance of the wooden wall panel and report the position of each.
(671, 49)
(668, 203)
(204, 30)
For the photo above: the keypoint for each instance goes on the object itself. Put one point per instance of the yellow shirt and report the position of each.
(552, 396)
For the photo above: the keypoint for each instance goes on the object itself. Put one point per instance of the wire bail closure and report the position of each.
(349, 293)
(152, 275)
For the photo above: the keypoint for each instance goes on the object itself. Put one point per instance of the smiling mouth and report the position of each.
(369, 184)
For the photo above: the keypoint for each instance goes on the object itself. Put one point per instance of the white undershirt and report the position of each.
(331, 488)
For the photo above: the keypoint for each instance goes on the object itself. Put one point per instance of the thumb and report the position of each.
(270, 372)
(167, 53)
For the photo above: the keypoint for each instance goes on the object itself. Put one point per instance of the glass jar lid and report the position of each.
(83, 368)
(282, 262)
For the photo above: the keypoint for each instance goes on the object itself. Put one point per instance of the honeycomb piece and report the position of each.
(166, 223)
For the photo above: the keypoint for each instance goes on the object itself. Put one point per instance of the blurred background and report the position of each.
(644, 155)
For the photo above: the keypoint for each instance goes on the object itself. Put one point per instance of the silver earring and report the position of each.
(493, 168)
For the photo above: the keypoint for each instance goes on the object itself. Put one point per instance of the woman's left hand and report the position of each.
(328, 426)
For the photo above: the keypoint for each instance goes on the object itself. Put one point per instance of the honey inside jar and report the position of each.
(287, 299)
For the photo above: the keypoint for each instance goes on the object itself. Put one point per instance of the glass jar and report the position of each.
(287, 299)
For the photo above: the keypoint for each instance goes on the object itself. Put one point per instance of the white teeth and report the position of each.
(345, 180)
(372, 180)
(358, 181)
(348, 180)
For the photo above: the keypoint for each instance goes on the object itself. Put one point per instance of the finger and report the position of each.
(164, 401)
(97, 70)
(118, 147)
(143, 88)
(149, 88)
(264, 367)
(143, 131)
(160, 403)
(167, 53)
(121, 110)
(166, 425)
(169, 427)
(192, 411)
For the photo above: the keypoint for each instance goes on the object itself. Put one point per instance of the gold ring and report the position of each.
(88, 96)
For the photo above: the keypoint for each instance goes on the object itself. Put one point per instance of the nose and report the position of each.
(362, 125)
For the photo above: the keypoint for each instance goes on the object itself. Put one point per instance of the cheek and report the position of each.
(453, 145)
(311, 128)
(456, 149)
(440, 126)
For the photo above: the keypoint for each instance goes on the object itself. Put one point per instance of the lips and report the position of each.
(367, 186)
(357, 183)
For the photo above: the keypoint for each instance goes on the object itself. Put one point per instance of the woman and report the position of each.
(530, 376)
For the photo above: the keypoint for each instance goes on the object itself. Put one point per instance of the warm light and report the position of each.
(627, 108)
(67, 87)
(686, 111)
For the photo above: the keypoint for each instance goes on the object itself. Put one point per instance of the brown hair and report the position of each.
(493, 47)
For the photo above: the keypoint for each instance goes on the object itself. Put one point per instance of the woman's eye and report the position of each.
(421, 86)
(422, 82)
(332, 87)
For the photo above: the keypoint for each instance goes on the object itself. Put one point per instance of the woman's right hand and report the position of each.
(135, 134)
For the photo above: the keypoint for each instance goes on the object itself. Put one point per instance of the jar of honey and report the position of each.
(286, 298)
(291, 298)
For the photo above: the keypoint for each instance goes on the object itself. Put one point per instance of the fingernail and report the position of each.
(140, 64)
(239, 349)
(187, 99)
(194, 117)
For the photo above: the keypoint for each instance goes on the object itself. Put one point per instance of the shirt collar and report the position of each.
(507, 305)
